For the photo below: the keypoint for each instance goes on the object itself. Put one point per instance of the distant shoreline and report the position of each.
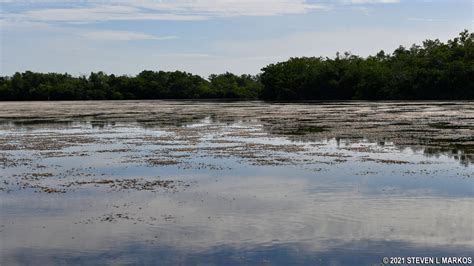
(448, 101)
(431, 71)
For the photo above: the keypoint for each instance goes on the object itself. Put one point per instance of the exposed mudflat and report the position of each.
(185, 182)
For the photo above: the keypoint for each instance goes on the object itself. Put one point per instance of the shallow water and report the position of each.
(147, 182)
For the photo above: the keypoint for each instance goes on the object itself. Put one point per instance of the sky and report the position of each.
(211, 36)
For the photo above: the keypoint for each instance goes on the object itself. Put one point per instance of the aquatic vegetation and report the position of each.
(156, 176)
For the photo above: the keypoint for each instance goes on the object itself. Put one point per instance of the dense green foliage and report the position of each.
(146, 85)
(434, 70)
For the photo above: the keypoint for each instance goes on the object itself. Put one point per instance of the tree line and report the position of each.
(146, 85)
(431, 71)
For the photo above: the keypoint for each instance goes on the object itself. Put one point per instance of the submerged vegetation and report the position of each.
(431, 71)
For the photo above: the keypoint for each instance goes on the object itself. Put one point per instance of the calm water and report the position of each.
(161, 182)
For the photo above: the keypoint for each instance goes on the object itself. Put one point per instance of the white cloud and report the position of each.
(112, 35)
(163, 10)
(171, 10)
(426, 19)
(96, 13)
(231, 7)
(372, 1)
(91, 11)
(83, 33)
(185, 55)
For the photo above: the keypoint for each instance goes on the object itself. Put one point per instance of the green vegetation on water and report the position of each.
(432, 71)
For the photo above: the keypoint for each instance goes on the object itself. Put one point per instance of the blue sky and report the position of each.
(211, 36)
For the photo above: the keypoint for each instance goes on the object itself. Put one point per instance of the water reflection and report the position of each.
(251, 183)
(270, 219)
(274, 255)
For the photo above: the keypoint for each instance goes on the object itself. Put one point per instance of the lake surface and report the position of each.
(234, 183)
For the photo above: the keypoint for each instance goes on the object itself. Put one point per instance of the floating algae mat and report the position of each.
(234, 183)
